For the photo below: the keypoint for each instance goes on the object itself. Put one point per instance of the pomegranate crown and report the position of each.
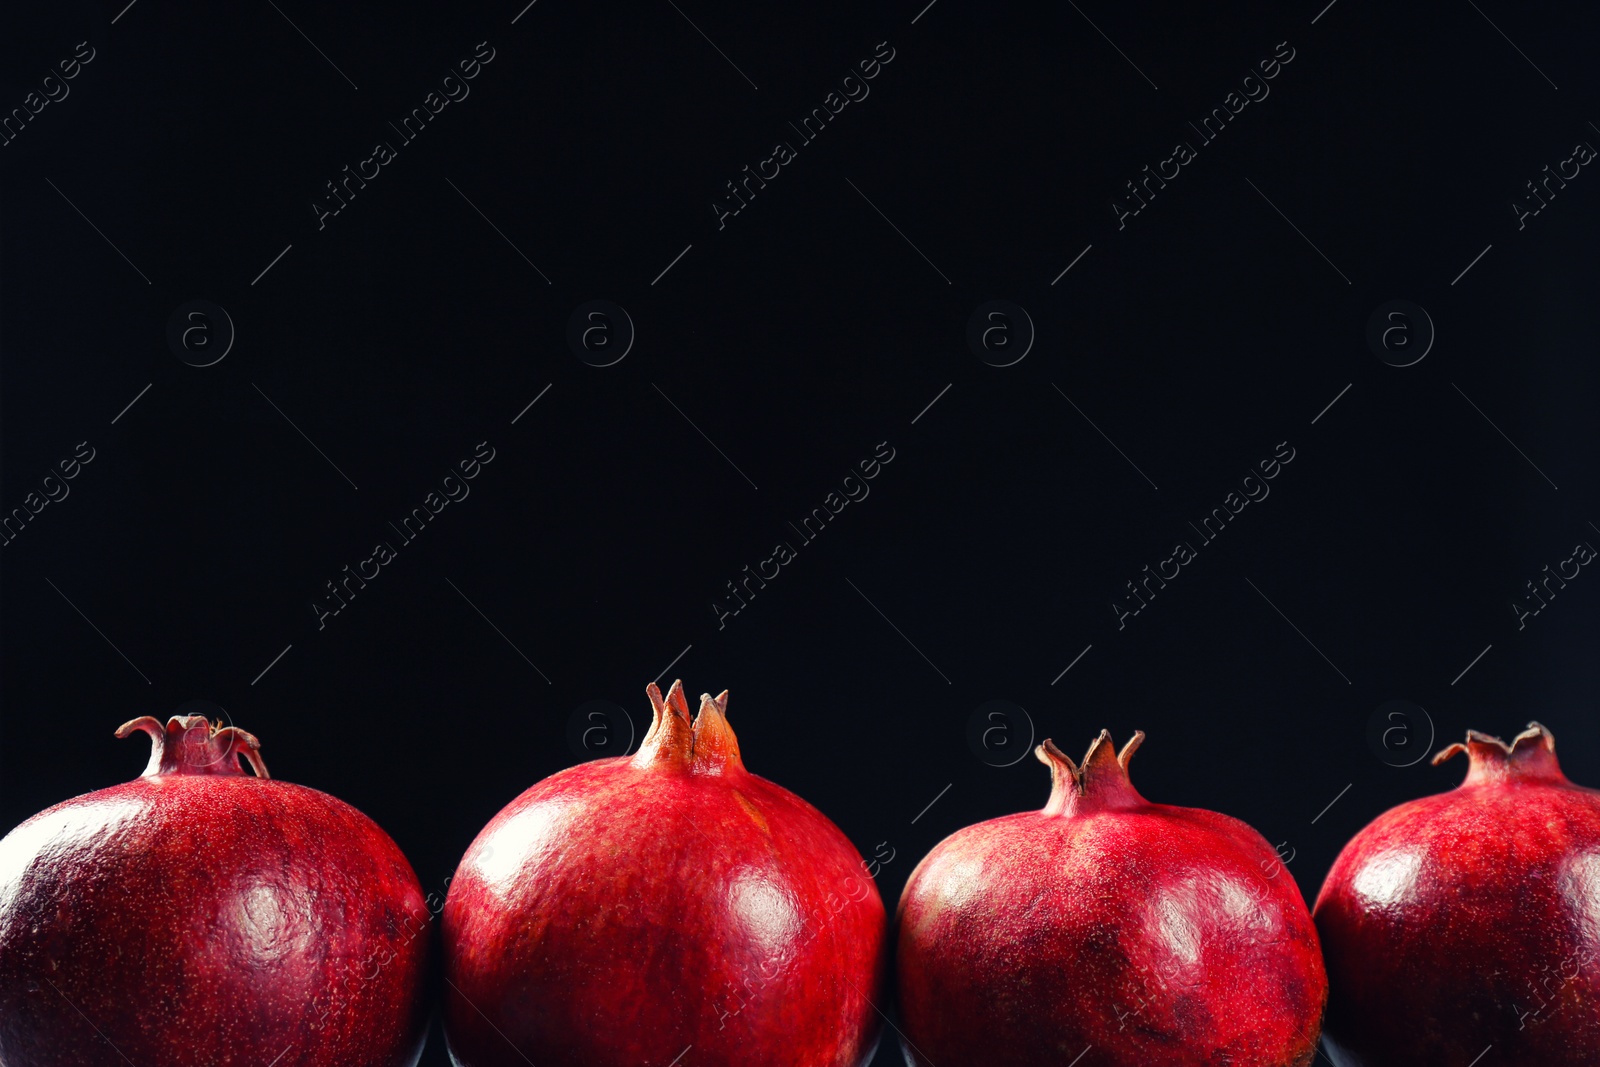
(1100, 783)
(705, 745)
(1531, 755)
(190, 744)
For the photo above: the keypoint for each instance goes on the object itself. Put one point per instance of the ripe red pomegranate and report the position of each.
(626, 911)
(1107, 931)
(198, 916)
(1467, 924)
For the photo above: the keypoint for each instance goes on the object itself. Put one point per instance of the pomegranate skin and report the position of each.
(1469, 922)
(1106, 931)
(200, 917)
(625, 911)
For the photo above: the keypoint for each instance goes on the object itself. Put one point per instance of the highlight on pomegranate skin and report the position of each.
(199, 916)
(1469, 922)
(663, 907)
(1107, 931)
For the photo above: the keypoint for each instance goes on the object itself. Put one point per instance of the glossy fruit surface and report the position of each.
(198, 916)
(630, 911)
(1107, 931)
(1467, 924)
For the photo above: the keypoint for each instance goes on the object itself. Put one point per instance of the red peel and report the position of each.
(198, 911)
(624, 910)
(1470, 919)
(1106, 931)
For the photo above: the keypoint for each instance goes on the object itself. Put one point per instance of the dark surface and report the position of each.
(797, 338)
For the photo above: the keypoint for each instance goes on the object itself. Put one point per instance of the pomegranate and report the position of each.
(1467, 925)
(198, 916)
(1107, 931)
(627, 910)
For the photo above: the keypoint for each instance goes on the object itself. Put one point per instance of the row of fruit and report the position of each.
(671, 908)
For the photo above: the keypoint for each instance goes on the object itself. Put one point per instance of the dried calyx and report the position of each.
(1531, 756)
(704, 745)
(1100, 783)
(190, 744)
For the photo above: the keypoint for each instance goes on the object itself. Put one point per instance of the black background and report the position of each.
(796, 339)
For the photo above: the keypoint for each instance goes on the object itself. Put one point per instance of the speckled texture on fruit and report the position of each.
(1106, 931)
(204, 918)
(626, 910)
(1470, 921)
